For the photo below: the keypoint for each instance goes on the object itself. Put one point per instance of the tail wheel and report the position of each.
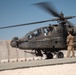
(49, 55)
(60, 55)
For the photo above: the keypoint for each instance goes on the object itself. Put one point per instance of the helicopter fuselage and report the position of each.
(49, 38)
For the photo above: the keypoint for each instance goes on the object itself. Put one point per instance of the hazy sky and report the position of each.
(13, 12)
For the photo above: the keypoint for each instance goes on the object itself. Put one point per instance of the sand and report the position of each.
(65, 69)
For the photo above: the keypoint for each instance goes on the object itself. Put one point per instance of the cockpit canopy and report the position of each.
(40, 31)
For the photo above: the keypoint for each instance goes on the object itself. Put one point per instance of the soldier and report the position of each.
(70, 43)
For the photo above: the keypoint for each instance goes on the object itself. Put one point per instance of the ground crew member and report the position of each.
(70, 44)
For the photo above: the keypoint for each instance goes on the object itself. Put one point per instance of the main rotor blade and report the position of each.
(68, 22)
(49, 8)
(28, 24)
(69, 17)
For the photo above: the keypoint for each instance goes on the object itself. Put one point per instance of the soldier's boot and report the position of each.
(73, 54)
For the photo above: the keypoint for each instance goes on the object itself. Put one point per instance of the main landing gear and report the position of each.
(60, 55)
(49, 54)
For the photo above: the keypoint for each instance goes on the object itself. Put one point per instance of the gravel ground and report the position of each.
(67, 69)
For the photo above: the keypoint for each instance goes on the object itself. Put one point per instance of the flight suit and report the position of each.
(70, 44)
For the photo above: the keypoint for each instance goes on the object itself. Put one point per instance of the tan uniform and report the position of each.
(70, 43)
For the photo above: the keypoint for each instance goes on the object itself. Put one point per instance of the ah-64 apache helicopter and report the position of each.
(48, 40)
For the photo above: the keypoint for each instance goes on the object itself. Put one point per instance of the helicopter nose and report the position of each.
(14, 42)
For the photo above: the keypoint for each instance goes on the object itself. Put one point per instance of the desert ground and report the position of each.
(64, 69)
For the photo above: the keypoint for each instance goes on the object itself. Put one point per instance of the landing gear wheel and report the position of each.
(60, 55)
(49, 55)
